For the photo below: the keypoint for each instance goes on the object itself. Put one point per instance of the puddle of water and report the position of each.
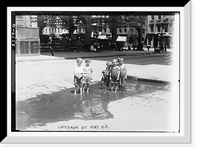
(64, 105)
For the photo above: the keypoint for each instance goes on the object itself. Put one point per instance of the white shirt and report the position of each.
(78, 70)
(87, 69)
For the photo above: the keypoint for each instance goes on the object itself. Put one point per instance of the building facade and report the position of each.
(29, 21)
(162, 25)
(27, 35)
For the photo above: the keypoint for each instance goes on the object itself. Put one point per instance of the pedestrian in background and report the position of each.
(92, 48)
(51, 45)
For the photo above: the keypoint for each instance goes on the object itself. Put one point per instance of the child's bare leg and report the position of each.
(116, 87)
(88, 87)
(81, 90)
(107, 87)
(83, 87)
(112, 87)
(75, 85)
(75, 89)
(102, 82)
(81, 97)
(107, 83)
(121, 84)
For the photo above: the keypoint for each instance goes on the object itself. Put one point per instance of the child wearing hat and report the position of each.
(87, 74)
(78, 75)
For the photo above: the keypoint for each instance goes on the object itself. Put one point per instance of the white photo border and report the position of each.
(109, 137)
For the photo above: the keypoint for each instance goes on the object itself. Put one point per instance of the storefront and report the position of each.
(27, 41)
(155, 40)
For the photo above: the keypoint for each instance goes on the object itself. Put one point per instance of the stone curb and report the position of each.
(100, 56)
(91, 56)
(32, 60)
(147, 80)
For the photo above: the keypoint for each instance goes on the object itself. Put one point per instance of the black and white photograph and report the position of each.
(101, 71)
(98, 72)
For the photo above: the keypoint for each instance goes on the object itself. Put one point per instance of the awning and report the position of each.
(121, 39)
(168, 35)
(102, 37)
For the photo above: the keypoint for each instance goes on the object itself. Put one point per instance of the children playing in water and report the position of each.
(114, 75)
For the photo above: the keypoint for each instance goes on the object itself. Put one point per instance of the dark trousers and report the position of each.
(52, 51)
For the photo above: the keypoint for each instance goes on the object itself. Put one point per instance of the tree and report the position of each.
(136, 21)
(68, 22)
(43, 21)
(71, 23)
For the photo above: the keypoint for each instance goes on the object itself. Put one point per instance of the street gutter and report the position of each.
(114, 55)
(147, 80)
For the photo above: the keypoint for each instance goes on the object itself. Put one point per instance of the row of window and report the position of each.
(153, 16)
(104, 30)
(59, 30)
(161, 19)
(160, 28)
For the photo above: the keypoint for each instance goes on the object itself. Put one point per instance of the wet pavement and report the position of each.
(64, 105)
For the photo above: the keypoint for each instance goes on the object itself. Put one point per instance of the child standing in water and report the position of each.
(78, 76)
(87, 74)
(105, 80)
(115, 74)
(123, 73)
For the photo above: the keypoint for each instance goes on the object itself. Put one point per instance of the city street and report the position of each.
(45, 99)
(139, 60)
(147, 57)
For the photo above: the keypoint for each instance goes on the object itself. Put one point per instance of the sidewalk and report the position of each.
(82, 54)
(58, 55)
(37, 58)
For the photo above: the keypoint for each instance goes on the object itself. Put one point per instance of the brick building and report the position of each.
(162, 25)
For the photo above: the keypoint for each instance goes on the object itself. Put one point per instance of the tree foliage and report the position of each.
(70, 23)
(131, 20)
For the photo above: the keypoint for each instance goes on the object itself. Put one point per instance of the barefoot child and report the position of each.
(123, 73)
(87, 74)
(78, 75)
(115, 74)
(105, 80)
